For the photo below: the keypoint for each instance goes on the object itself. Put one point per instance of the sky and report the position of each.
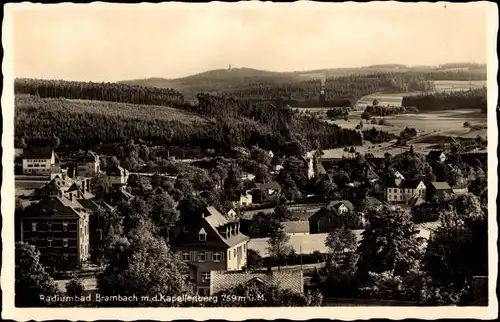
(122, 42)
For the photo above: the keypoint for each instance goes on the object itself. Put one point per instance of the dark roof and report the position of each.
(370, 201)
(336, 203)
(409, 184)
(403, 184)
(59, 205)
(323, 212)
(270, 185)
(37, 153)
(292, 280)
(434, 154)
(441, 185)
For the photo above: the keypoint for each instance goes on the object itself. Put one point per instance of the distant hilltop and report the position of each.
(245, 72)
(234, 78)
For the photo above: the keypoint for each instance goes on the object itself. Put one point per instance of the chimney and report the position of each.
(83, 185)
(228, 232)
(71, 196)
(88, 185)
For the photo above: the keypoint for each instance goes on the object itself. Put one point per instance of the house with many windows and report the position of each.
(401, 191)
(57, 226)
(38, 161)
(212, 242)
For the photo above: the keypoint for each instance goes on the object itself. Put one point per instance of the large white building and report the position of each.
(38, 161)
(403, 190)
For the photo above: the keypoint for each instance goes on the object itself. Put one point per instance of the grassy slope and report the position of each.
(133, 111)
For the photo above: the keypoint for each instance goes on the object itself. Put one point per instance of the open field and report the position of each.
(443, 122)
(131, 111)
(458, 85)
(307, 244)
(433, 127)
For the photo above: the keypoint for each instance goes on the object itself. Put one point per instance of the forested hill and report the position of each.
(112, 92)
(90, 114)
(301, 84)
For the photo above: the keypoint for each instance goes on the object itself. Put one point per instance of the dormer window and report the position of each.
(202, 235)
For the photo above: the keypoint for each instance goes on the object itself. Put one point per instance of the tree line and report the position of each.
(471, 99)
(377, 110)
(113, 92)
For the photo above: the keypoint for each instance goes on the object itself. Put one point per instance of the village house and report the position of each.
(290, 280)
(436, 155)
(438, 189)
(118, 176)
(57, 226)
(396, 174)
(38, 161)
(212, 242)
(271, 188)
(460, 189)
(400, 191)
(369, 174)
(243, 200)
(333, 215)
(84, 164)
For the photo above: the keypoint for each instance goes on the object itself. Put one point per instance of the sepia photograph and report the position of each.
(332, 159)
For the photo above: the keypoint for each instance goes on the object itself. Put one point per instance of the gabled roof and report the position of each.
(295, 227)
(331, 209)
(403, 184)
(55, 204)
(369, 173)
(214, 218)
(37, 153)
(273, 185)
(336, 203)
(370, 201)
(292, 280)
(441, 185)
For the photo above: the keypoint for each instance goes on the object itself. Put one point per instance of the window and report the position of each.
(202, 256)
(65, 226)
(234, 252)
(205, 276)
(186, 256)
(65, 242)
(33, 226)
(217, 257)
(229, 255)
(49, 226)
(49, 242)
